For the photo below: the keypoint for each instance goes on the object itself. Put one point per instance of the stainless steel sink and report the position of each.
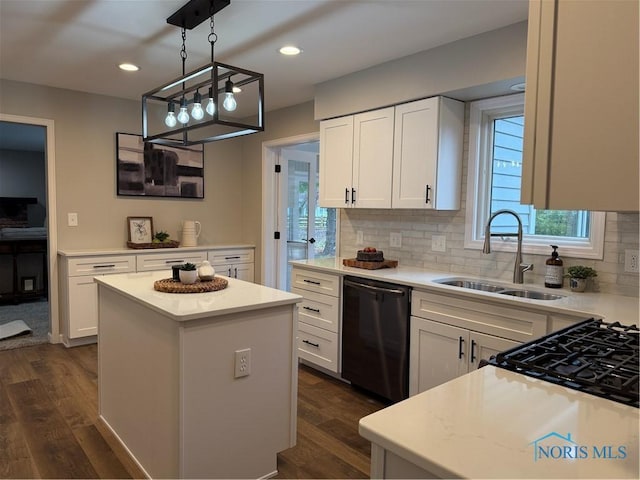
(496, 288)
(474, 285)
(532, 294)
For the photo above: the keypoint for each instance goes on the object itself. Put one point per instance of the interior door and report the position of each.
(309, 230)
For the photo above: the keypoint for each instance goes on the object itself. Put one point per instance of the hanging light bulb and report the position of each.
(196, 111)
(170, 120)
(183, 116)
(211, 105)
(229, 103)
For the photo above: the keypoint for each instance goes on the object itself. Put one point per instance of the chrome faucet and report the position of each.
(519, 268)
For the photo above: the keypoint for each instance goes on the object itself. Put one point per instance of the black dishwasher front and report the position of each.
(375, 336)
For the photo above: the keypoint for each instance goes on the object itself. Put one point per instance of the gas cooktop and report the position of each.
(592, 356)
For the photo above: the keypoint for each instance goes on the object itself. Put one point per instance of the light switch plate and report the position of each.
(72, 219)
(631, 261)
(395, 240)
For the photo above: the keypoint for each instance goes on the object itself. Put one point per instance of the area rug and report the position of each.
(14, 329)
(35, 315)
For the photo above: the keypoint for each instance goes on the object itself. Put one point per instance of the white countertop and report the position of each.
(144, 251)
(239, 296)
(600, 305)
(484, 425)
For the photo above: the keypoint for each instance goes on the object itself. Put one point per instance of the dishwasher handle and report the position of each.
(362, 286)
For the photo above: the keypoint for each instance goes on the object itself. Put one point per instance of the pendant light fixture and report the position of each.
(241, 113)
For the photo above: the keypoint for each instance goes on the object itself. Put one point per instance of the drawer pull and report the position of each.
(173, 261)
(460, 342)
(317, 345)
(105, 266)
(232, 258)
(311, 281)
(312, 309)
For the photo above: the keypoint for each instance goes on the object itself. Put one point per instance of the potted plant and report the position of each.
(578, 277)
(188, 273)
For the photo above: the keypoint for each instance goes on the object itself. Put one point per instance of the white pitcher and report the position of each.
(190, 233)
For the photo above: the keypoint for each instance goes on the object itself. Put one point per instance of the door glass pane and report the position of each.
(298, 210)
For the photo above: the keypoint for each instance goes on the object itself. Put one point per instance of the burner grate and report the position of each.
(593, 356)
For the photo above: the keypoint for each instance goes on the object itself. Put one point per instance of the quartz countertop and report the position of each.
(487, 424)
(145, 251)
(589, 304)
(239, 296)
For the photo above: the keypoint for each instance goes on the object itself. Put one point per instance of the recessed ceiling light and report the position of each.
(128, 67)
(290, 50)
(518, 87)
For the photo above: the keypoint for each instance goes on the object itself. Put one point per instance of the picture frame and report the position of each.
(151, 170)
(140, 229)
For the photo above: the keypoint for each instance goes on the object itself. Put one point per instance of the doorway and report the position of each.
(28, 280)
(305, 230)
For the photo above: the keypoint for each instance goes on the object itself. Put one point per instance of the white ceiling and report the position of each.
(77, 44)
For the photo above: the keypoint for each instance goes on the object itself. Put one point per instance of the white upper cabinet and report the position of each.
(427, 154)
(407, 156)
(581, 106)
(356, 155)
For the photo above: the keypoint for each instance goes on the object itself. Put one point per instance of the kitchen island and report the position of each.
(493, 423)
(198, 385)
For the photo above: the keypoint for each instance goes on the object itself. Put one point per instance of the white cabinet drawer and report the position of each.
(478, 316)
(79, 266)
(315, 282)
(318, 346)
(224, 257)
(164, 261)
(319, 310)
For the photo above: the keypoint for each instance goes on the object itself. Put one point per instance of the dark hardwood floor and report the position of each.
(49, 424)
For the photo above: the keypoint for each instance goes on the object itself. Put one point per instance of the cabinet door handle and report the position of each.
(311, 281)
(460, 343)
(317, 345)
(232, 258)
(173, 261)
(235, 272)
(229, 272)
(346, 196)
(353, 195)
(426, 198)
(473, 347)
(105, 266)
(312, 309)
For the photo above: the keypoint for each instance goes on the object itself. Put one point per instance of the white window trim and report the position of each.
(478, 184)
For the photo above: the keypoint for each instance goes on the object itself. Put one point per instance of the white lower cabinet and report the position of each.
(441, 352)
(79, 305)
(318, 318)
(79, 293)
(234, 263)
(450, 335)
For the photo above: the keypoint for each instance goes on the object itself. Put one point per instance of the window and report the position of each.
(496, 128)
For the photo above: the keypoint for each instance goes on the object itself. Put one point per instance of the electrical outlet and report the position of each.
(72, 219)
(631, 261)
(242, 362)
(395, 240)
(359, 238)
(439, 243)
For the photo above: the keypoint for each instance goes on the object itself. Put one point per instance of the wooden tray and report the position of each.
(169, 285)
(352, 262)
(140, 246)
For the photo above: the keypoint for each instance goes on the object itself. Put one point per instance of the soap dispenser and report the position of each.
(554, 272)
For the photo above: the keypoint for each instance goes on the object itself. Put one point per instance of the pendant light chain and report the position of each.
(213, 38)
(183, 51)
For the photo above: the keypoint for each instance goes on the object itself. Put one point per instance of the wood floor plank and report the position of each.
(15, 457)
(55, 450)
(100, 454)
(14, 368)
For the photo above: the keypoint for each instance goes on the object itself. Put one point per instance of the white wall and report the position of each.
(85, 128)
(470, 68)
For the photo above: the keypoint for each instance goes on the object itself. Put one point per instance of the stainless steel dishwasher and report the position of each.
(375, 336)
